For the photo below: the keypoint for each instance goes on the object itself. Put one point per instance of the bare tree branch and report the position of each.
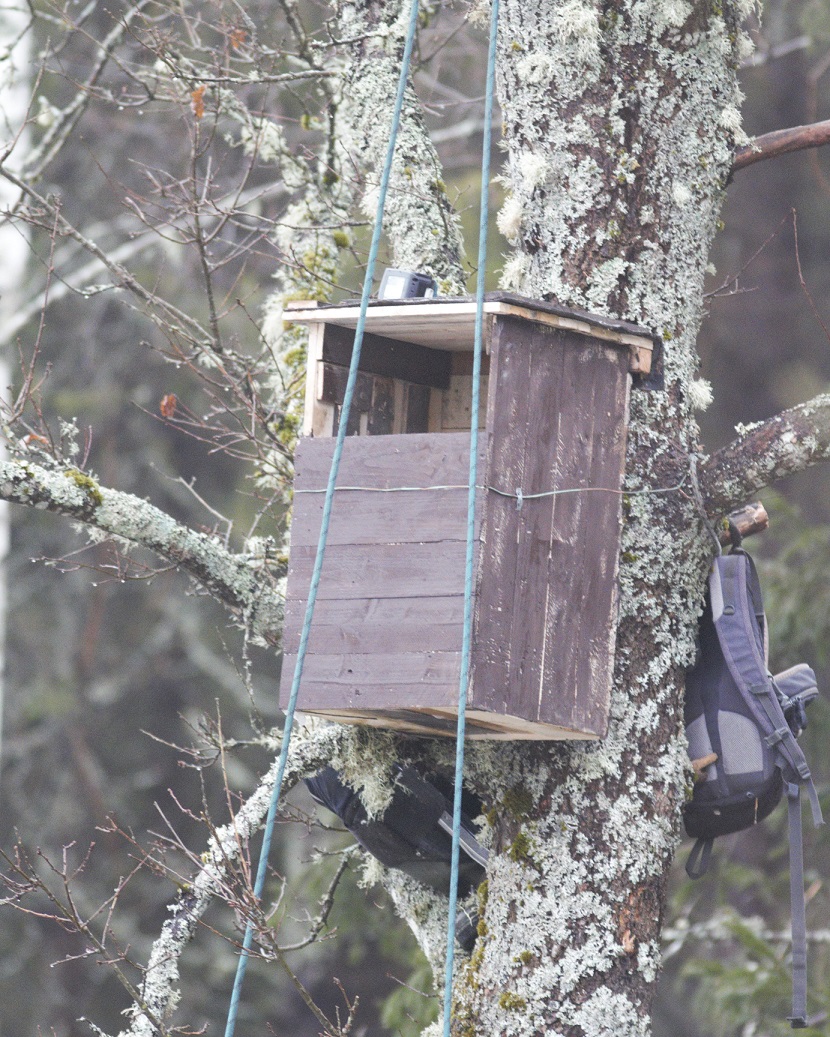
(231, 579)
(766, 54)
(781, 142)
(67, 119)
(748, 520)
(80, 279)
(159, 993)
(122, 278)
(790, 442)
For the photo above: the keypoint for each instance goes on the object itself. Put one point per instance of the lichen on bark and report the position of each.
(336, 188)
(620, 126)
(423, 229)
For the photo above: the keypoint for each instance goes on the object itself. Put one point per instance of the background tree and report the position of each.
(620, 127)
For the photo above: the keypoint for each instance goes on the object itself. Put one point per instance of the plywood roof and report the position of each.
(450, 323)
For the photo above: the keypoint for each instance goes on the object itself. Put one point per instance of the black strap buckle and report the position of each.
(778, 735)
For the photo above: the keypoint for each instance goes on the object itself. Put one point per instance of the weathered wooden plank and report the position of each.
(479, 725)
(446, 325)
(388, 357)
(377, 625)
(449, 323)
(332, 390)
(546, 613)
(584, 560)
(458, 401)
(383, 517)
(322, 419)
(402, 570)
(382, 409)
(550, 400)
(347, 681)
(313, 357)
(332, 387)
(462, 363)
(506, 431)
(369, 515)
(420, 459)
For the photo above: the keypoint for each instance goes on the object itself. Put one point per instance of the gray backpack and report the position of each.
(742, 724)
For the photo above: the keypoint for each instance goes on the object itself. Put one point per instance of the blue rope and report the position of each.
(324, 528)
(471, 507)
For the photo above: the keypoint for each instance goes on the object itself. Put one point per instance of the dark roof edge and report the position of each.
(594, 319)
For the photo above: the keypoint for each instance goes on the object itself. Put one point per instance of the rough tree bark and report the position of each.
(621, 122)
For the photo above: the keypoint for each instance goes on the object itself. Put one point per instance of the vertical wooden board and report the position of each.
(547, 596)
(581, 607)
(322, 420)
(457, 403)
(333, 391)
(417, 408)
(530, 372)
(314, 356)
(504, 470)
(400, 407)
(540, 448)
(436, 410)
(382, 409)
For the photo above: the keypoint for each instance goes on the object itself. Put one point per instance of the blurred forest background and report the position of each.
(106, 676)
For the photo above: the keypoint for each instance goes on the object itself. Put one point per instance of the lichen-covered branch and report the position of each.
(782, 142)
(790, 442)
(314, 234)
(160, 988)
(238, 581)
(422, 227)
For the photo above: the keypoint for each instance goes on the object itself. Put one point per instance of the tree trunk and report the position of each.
(620, 122)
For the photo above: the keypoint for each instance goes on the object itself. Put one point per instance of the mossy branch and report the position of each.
(229, 578)
(790, 442)
(423, 228)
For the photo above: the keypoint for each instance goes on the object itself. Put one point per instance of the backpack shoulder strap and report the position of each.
(698, 863)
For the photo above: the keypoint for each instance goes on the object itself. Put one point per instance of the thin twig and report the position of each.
(803, 283)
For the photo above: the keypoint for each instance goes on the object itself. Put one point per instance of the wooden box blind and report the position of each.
(385, 643)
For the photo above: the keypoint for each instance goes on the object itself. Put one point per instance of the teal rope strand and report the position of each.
(324, 528)
(471, 506)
